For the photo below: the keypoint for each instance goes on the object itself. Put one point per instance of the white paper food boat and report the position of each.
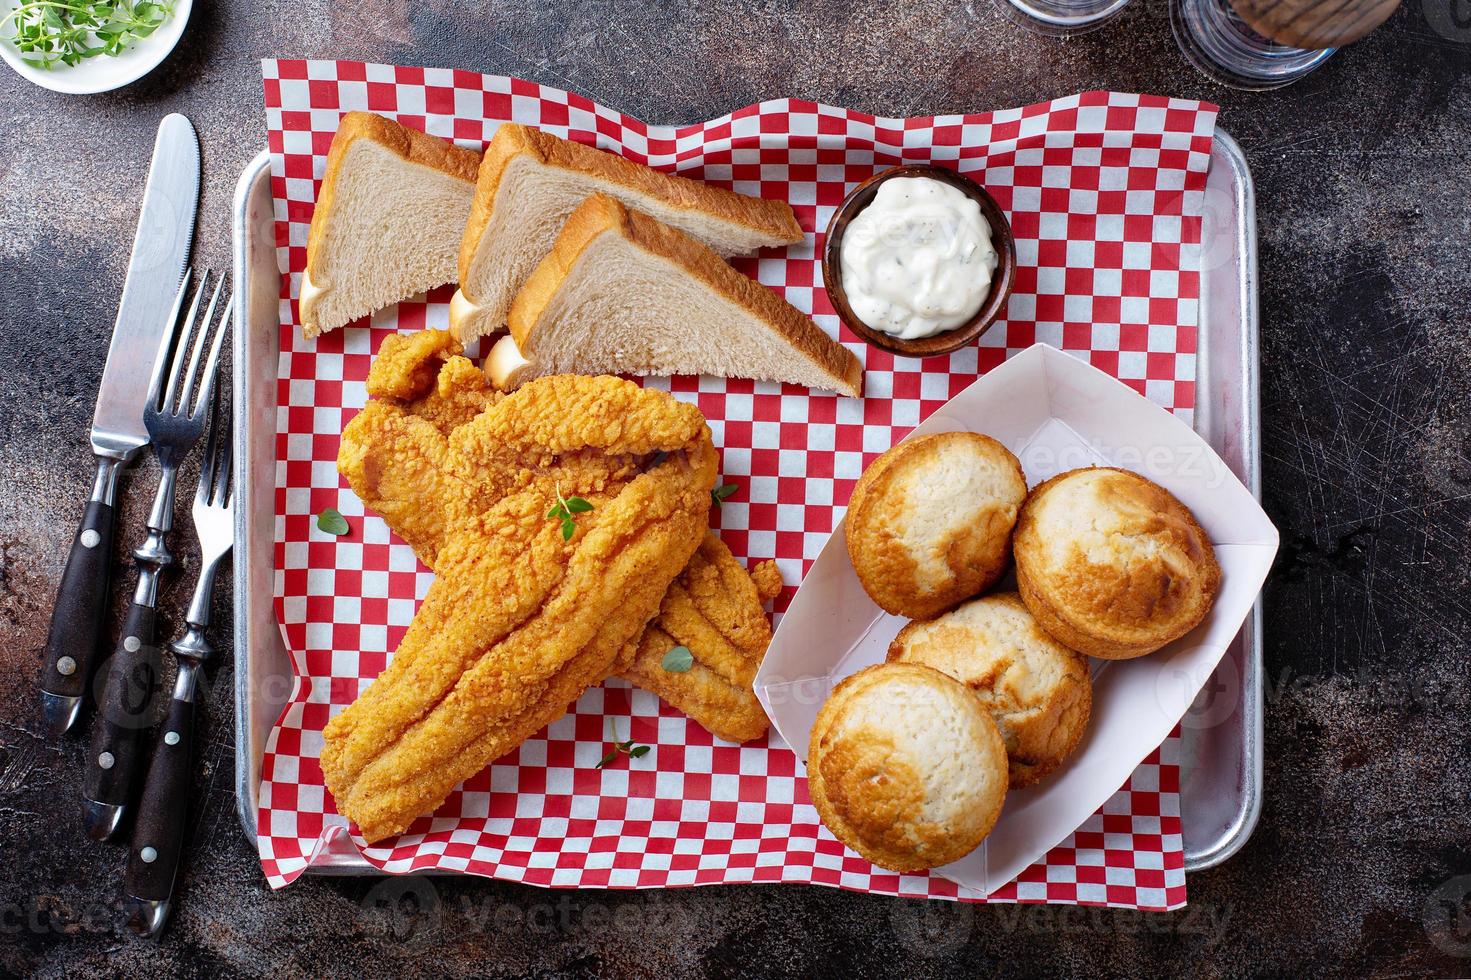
(1055, 413)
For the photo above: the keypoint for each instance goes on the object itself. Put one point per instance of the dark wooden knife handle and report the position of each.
(158, 830)
(124, 710)
(81, 601)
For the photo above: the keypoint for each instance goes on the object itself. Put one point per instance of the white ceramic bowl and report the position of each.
(103, 73)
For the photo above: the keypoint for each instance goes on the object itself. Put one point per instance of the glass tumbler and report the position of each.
(1061, 18)
(1221, 45)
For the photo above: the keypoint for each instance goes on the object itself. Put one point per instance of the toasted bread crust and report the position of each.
(1119, 608)
(1038, 690)
(412, 145)
(773, 218)
(976, 557)
(601, 214)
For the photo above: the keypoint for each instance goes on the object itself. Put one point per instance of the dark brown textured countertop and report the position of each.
(1362, 860)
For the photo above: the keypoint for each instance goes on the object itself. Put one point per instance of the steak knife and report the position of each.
(139, 340)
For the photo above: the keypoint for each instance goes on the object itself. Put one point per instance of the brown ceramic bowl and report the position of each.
(957, 337)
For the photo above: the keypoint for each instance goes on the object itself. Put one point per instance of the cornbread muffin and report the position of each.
(1038, 690)
(906, 767)
(930, 521)
(1112, 564)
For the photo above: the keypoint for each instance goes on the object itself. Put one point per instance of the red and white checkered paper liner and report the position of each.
(1104, 192)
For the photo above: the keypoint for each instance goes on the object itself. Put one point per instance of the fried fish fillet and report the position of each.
(519, 622)
(713, 610)
(394, 452)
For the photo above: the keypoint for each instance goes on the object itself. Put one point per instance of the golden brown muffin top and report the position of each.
(906, 767)
(1116, 556)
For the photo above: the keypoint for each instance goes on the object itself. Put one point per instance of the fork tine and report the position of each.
(161, 360)
(229, 501)
(182, 344)
(200, 342)
(222, 478)
(207, 462)
(212, 365)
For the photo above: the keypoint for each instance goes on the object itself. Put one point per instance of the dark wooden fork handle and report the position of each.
(124, 710)
(158, 831)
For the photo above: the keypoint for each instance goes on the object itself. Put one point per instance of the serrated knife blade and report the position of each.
(140, 338)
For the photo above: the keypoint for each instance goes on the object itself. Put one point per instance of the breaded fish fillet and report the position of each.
(519, 622)
(393, 454)
(713, 610)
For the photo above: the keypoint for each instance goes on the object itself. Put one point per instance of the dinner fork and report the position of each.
(174, 417)
(158, 831)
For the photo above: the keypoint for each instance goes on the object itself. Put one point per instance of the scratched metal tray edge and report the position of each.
(1228, 308)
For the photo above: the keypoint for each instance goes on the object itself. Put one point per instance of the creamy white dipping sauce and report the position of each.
(918, 260)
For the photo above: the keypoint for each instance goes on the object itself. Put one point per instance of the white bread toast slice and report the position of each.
(622, 293)
(530, 181)
(388, 220)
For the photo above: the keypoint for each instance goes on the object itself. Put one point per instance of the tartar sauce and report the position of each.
(918, 260)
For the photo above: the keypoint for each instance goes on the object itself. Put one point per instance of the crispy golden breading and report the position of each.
(519, 622)
(714, 610)
(395, 461)
(394, 455)
(395, 451)
(459, 394)
(408, 363)
(768, 580)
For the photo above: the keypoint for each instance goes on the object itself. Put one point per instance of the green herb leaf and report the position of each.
(721, 492)
(678, 660)
(332, 521)
(564, 510)
(64, 32)
(628, 748)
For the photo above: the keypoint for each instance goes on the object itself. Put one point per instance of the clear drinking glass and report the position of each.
(1220, 44)
(1061, 18)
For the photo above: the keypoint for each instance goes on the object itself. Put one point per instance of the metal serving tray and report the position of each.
(1221, 753)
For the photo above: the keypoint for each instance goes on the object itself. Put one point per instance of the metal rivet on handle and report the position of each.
(90, 538)
(66, 666)
(105, 760)
(172, 738)
(148, 854)
(131, 644)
